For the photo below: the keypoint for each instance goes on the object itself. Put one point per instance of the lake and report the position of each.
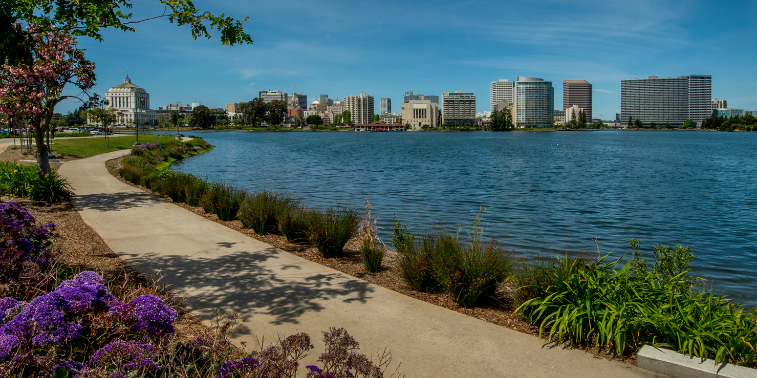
(544, 192)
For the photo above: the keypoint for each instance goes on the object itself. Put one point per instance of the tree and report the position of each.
(254, 111)
(104, 116)
(582, 119)
(687, 124)
(88, 17)
(638, 123)
(33, 91)
(501, 120)
(202, 117)
(347, 117)
(630, 122)
(376, 117)
(74, 118)
(314, 119)
(338, 119)
(276, 111)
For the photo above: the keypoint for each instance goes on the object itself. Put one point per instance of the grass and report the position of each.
(293, 224)
(329, 231)
(86, 147)
(262, 211)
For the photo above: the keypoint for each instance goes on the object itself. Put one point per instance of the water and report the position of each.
(543, 192)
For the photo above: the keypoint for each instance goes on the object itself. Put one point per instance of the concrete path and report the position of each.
(280, 294)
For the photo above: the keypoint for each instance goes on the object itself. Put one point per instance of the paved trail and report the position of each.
(280, 294)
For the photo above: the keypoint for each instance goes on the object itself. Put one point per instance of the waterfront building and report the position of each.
(419, 113)
(534, 102)
(459, 108)
(577, 92)
(132, 102)
(501, 91)
(386, 106)
(559, 117)
(728, 113)
(667, 100)
(360, 108)
(719, 104)
(409, 96)
(336, 107)
(269, 95)
(574, 112)
(390, 118)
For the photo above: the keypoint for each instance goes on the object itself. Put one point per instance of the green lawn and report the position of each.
(83, 148)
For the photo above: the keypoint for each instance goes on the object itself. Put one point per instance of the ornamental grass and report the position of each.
(263, 210)
(294, 224)
(329, 231)
(222, 200)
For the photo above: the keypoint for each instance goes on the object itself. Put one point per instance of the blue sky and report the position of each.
(385, 48)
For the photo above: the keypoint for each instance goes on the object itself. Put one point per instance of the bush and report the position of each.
(402, 239)
(537, 275)
(261, 211)
(171, 184)
(222, 200)
(416, 264)
(294, 224)
(600, 305)
(24, 181)
(329, 231)
(372, 255)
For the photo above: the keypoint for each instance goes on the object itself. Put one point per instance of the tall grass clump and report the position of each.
(415, 259)
(24, 181)
(194, 190)
(294, 224)
(330, 230)
(620, 307)
(372, 249)
(171, 184)
(222, 200)
(538, 273)
(262, 211)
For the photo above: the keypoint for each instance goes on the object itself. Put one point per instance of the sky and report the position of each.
(384, 48)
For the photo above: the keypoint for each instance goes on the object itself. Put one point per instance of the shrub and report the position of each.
(24, 181)
(329, 231)
(294, 224)
(171, 184)
(402, 239)
(537, 275)
(194, 190)
(222, 200)
(261, 211)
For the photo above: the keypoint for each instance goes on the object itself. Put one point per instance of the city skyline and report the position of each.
(391, 55)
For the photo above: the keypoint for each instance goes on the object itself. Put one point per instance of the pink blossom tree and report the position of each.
(30, 92)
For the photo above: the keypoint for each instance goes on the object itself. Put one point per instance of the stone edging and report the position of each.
(668, 362)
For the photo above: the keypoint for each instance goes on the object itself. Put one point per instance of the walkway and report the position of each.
(280, 294)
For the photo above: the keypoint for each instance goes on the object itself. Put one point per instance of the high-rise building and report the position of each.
(386, 105)
(409, 96)
(670, 100)
(534, 102)
(270, 95)
(298, 99)
(360, 108)
(324, 99)
(459, 108)
(577, 92)
(419, 113)
(502, 92)
(719, 104)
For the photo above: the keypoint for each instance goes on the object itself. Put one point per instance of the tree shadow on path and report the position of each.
(251, 283)
(115, 201)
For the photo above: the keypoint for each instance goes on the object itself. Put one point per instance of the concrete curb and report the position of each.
(677, 365)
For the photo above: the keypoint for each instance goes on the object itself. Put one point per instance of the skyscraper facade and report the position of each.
(386, 105)
(501, 91)
(459, 108)
(533, 104)
(670, 100)
(269, 96)
(577, 92)
(360, 108)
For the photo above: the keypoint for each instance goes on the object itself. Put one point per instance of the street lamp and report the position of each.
(137, 128)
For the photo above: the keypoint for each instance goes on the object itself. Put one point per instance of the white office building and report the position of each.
(534, 102)
(501, 91)
(132, 102)
(360, 108)
(270, 95)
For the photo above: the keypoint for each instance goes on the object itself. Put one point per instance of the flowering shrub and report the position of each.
(24, 244)
(24, 181)
(146, 314)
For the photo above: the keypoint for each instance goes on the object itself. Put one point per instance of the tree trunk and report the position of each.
(43, 160)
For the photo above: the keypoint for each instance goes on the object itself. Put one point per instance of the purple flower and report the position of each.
(8, 346)
(246, 364)
(152, 315)
(72, 367)
(85, 291)
(121, 357)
